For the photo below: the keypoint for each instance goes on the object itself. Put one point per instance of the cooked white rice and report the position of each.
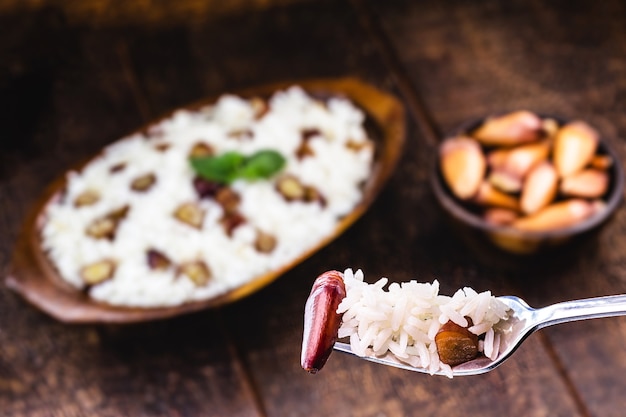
(341, 161)
(405, 318)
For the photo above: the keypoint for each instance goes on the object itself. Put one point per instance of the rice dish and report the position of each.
(405, 318)
(132, 227)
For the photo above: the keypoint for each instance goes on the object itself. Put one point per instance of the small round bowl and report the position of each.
(479, 234)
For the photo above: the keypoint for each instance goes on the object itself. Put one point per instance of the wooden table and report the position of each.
(68, 86)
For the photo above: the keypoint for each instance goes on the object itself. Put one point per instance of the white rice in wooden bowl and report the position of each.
(404, 319)
(336, 161)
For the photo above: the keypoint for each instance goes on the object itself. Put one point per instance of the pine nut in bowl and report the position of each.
(525, 183)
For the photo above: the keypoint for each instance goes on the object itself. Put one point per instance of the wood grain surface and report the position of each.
(69, 86)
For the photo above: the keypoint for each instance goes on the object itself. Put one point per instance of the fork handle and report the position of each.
(589, 308)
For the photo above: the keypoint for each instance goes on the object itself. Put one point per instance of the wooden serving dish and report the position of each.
(32, 275)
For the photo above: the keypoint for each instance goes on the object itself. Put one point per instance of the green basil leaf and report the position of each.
(262, 164)
(232, 165)
(222, 168)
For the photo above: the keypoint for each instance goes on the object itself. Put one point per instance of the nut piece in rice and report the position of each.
(197, 271)
(157, 260)
(98, 272)
(87, 198)
(191, 214)
(143, 183)
(106, 226)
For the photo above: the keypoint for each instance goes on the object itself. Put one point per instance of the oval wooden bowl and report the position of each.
(32, 275)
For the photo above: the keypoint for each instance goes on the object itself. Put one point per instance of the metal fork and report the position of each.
(524, 321)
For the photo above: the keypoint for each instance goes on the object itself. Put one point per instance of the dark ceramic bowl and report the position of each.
(478, 233)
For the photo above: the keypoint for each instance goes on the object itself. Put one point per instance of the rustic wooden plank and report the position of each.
(467, 60)
(66, 93)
